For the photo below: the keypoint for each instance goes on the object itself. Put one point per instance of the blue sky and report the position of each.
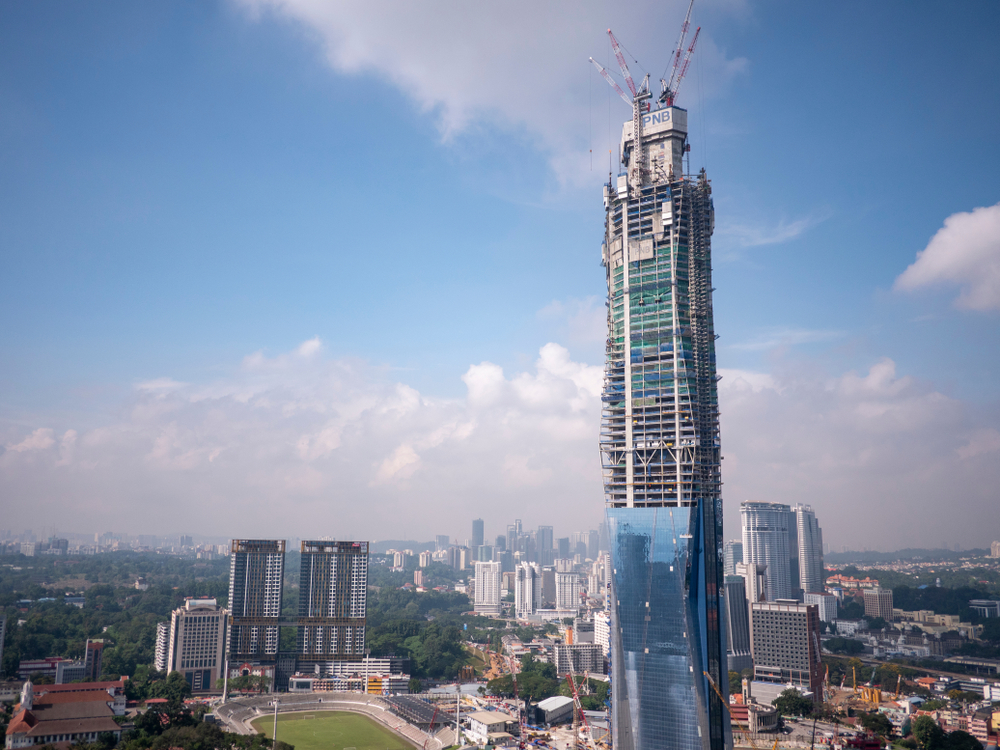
(344, 260)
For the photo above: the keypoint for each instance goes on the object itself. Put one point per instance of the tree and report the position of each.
(791, 703)
(735, 683)
(959, 740)
(928, 734)
(877, 724)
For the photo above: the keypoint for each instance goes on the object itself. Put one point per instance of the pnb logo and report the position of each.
(661, 117)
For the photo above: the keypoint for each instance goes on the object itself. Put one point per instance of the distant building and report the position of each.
(442, 542)
(732, 554)
(3, 635)
(755, 580)
(785, 642)
(878, 603)
(848, 583)
(418, 578)
(602, 631)
(578, 658)
(74, 716)
(527, 589)
(487, 596)
(487, 727)
(766, 542)
(477, 532)
(827, 604)
(424, 560)
(985, 607)
(567, 591)
(162, 646)
(995, 549)
(738, 649)
(93, 659)
(197, 643)
(810, 550)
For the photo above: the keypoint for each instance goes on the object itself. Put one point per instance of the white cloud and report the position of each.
(520, 66)
(964, 252)
(756, 234)
(776, 337)
(314, 445)
(299, 431)
(873, 452)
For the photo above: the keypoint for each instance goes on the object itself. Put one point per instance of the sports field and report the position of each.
(331, 730)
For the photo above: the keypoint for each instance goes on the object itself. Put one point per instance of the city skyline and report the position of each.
(184, 191)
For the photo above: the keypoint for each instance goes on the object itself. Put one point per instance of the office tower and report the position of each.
(256, 579)
(810, 539)
(548, 587)
(660, 445)
(93, 659)
(765, 542)
(487, 600)
(543, 542)
(737, 625)
(512, 539)
(442, 542)
(162, 646)
(602, 536)
(878, 603)
(567, 591)
(527, 589)
(733, 553)
(333, 600)
(477, 532)
(196, 644)
(562, 547)
(785, 643)
(501, 543)
(593, 544)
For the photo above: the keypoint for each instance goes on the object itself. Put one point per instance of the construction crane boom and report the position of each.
(578, 707)
(678, 51)
(609, 79)
(684, 67)
(621, 62)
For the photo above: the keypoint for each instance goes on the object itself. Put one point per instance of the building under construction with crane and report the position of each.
(660, 433)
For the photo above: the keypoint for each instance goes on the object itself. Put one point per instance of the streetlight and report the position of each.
(274, 732)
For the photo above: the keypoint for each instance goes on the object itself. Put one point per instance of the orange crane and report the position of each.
(669, 88)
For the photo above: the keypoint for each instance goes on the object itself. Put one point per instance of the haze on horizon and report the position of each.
(279, 268)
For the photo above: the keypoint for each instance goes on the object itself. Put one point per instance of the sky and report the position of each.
(300, 268)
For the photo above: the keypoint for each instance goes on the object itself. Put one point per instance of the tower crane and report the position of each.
(668, 93)
(578, 707)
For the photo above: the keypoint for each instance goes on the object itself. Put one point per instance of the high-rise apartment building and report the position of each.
(826, 604)
(93, 659)
(660, 444)
(527, 589)
(487, 601)
(738, 650)
(765, 542)
(256, 580)
(567, 591)
(197, 642)
(785, 639)
(995, 549)
(477, 532)
(810, 542)
(333, 600)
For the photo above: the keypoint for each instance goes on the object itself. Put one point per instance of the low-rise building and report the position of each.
(65, 714)
(554, 710)
(486, 727)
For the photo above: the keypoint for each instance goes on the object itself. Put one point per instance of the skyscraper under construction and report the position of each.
(660, 441)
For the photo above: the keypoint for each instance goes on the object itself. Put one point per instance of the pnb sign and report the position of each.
(668, 118)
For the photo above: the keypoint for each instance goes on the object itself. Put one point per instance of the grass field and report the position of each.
(331, 730)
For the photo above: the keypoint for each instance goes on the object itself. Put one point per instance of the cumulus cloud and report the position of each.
(473, 64)
(303, 445)
(885, 460)
(248, 453)
(965, 252)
